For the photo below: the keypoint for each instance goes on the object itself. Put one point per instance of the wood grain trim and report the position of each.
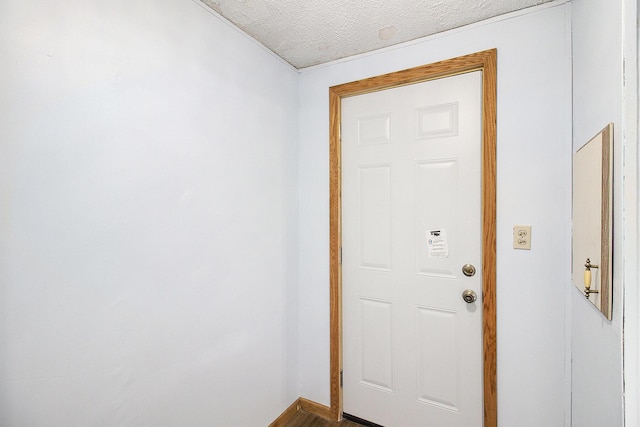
(305, 405)
(315, 408)
(606, 258)
(446, 68)
(489, 166)
(287, 415)
(335, 241)
(486, 62)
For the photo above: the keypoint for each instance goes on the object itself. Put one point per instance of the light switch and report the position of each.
(522, 237)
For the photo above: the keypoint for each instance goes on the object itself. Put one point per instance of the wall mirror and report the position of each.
(593, 221)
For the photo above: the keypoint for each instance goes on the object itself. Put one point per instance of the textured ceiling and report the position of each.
(310, 32)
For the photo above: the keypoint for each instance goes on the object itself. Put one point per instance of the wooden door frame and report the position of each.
(486, 62)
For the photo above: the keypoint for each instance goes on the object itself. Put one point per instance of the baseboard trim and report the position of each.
(315, 408)
(286, 416)
(302, 404)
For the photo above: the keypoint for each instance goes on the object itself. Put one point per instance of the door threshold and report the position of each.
(359, 420)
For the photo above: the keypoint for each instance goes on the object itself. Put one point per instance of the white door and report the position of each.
(411, 219)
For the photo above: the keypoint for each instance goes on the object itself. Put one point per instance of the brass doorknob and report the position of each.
(468, 270)
(469, 296)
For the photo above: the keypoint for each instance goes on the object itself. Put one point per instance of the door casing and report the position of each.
(485, 61)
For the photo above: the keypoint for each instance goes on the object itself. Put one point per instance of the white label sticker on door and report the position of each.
(437, 243)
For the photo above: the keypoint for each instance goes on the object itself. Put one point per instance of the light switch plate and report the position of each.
(522, 237)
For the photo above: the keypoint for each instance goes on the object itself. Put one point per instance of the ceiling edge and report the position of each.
(244, 34)
(503, 17)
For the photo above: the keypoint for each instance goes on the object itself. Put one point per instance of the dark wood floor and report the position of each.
(305, 419)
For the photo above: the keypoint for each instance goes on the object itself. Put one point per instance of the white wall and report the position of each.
(606, 89)
(631, 197)
(597, 100)
(631, 272)
(148, 218)
(534, 187)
